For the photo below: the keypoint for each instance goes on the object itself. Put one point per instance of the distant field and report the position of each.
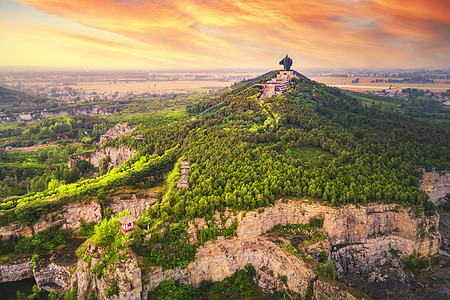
(144, 86)
(156, 83)
(366, 84)
(153, 86)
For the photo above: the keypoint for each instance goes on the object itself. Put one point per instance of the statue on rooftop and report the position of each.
(287, 63)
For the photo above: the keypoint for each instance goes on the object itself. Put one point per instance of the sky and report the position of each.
(217, 34)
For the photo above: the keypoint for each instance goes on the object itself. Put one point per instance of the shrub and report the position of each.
(316, 222)
(112, 290)
(107, 232)
(283, 279)
(327, 270)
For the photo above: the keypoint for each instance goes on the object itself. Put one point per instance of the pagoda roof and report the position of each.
(127, 219)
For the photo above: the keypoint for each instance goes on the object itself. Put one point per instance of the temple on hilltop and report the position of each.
(279, 84)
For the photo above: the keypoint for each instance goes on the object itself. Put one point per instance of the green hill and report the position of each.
(313, 141)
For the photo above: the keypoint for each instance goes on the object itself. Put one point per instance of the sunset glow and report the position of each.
(225, 33)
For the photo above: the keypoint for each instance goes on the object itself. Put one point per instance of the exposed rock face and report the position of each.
(51, 276)
(135, 205)
(221, 258)
(328, 290)
(119, 130)
(69, 217)
(16, 230)
(52, 271)
(113, 156)
(126, 274)
(436, 185)
(116, 156)
(359, 238)
(20, 269)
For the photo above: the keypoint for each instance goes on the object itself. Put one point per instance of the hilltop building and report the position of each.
(184, 180)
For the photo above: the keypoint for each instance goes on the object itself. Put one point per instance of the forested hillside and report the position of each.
(312, 142)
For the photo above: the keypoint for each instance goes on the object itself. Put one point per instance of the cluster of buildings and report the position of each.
(409, 94)
(65, 95)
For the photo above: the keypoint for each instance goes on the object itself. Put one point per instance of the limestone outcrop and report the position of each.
(114, 157)
(328, 289)
(120, 129)
(136, 205)
(17, 270)
(73, 214)
(15, 229)
(126, 274)
(436, 185)
(359, 238)
(221, 258)
(69, 217)
(50, 276)
(52, 271)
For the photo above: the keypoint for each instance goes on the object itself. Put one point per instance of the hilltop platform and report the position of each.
(277, 85)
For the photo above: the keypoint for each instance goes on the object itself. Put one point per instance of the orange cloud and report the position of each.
(227, 33)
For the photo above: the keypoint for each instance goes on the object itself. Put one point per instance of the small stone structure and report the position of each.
(127, 223)
(139, 137)
(277, 85)
(184, 180)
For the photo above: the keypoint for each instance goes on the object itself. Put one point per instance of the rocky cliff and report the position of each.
(436, 185)
(120, 129)
(126, 274)
(69, 217)
(114, 157)
(72, 215)
(20, 269)
(135, 204)
(359, 238)
(356, 238)
(52, 271)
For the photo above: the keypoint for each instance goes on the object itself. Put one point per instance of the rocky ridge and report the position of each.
(126, 274)
(17, 270)
(359, 238)
(113, 156)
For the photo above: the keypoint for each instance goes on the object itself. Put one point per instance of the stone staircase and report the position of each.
(277, 85)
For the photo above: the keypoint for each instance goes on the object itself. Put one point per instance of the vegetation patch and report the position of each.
(44, 241)
(240, 285)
